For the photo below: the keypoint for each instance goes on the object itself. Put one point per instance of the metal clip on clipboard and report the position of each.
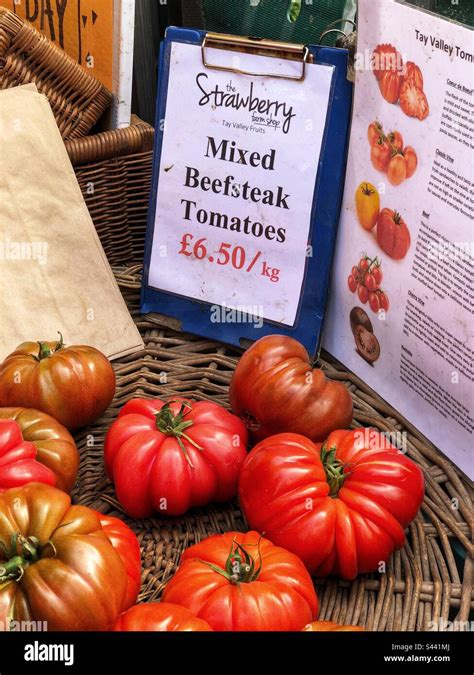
(286, 50)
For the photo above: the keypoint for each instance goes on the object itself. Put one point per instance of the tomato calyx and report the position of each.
(175, 424)
(24, 552)
(335, 470)
(397, 218)
(45, 351)
(396, 151)
(250, 421)
(360, 271)
(240, 566)
(373, 263)
(366, 190)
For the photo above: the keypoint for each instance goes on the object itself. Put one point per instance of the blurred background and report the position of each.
(289, 20)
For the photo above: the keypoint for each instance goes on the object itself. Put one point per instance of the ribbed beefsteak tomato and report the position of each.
(73, 384)
(54, 449)
(412, 73)
(385, 58)
(393, 234)
(413, 100)
(126, 544)
(18, 463)
(242, 582)
(169, 457)
(341, 506)
(389, 85)
(57, 565)
(160, 616)
(274, 389)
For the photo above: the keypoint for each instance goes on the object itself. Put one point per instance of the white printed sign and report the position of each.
(237, 177)
(402, 300)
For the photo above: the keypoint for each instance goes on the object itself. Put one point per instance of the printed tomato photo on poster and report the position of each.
(388, 153)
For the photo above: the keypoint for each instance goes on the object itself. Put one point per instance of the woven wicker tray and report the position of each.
(77, 98)
(429, 580)
(114, 172)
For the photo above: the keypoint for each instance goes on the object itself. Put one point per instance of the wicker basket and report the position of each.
(77, 98)
(429, 580)
(114, 171)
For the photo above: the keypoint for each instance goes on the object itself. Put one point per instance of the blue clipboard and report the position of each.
(194, 315)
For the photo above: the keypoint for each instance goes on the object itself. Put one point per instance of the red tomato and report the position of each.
(383, 300)
(318, 626)
(385, 58)
(377, 274)
(362, 293)
(396, 139)
(411, 160)
(126, 545)
(169, 457)
(160, 616)
(393, 235)
(374, 302)
(274, 388)
(56, 563)
(413, 101)
(242, 582)
(380, 154)
(389, 85)
(53, 445)
(72, 384)
(18, 463)
(374, 131)
(369, 281)
(352, 283)
(412, 73)
(397, 169)
(341, 506)
(364, 263)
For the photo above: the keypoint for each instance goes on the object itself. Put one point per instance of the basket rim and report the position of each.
(136, 138)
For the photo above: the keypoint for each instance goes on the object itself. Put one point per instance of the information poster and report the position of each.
(238, 170)
(402, 301)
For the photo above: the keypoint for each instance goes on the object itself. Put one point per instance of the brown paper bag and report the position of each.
(54, 275)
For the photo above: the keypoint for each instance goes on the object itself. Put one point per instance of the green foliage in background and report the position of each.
(456, 10)
(288, 20)
(303, 20)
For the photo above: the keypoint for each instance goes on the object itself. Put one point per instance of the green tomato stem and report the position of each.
(172, 424)
(24, 552)
(12, 568)
(240, 567)
(335, 470)
(45, 351)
